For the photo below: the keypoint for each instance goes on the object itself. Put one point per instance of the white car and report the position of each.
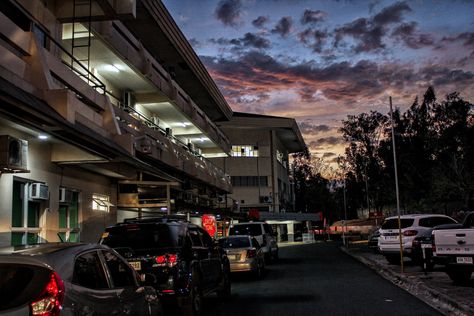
(411, 226)
(262, 232)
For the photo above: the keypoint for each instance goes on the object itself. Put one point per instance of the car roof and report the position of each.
(417, 216)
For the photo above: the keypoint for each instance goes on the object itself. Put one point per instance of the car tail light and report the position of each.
(49, 301)
(410, 233)
(168, 260)
(251, 253)
(433, 246)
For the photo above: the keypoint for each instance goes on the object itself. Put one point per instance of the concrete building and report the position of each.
(106, 112)
(259, 168)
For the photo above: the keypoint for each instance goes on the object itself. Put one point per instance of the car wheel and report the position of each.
(193, 305)
(393, 259)
(225, 290)
(459, 276)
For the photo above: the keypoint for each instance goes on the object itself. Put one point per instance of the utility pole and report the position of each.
(396, 186)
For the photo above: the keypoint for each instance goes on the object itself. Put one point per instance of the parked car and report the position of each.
(454, 248)
(244, 253)
(183, 258)
(71, 279)
(373, 239)
(262, 232)
(411, 226)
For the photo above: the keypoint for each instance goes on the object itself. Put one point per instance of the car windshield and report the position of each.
(393, 223)
(137, 237)
(246, 229)
(235, 242)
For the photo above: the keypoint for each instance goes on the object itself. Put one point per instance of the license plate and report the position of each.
(391, 237)
(137, 265)
(426, 246)
(464, 260)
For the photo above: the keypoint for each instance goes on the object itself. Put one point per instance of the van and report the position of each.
(262, 232)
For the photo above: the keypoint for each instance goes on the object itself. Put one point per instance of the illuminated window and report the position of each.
(244, 151)
(101, 203)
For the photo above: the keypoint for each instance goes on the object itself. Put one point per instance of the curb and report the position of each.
(413, 285)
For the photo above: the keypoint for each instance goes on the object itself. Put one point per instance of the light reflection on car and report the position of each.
(245, 254)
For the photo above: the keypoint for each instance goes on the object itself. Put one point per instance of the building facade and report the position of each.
(259, 161)
(106, 112)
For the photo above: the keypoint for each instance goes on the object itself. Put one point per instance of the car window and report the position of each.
(88, 272)
(426, 222)
(206, 239)
(120, 272)
(255, 243)
(144, 236)
(195, 238)
(442, 220)
(246, 229)
(393, 223)
(235, 242)
(18, 283)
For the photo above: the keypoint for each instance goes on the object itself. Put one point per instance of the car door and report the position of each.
(90, 292)
(214, 256)
(201, 255)
(133, 298)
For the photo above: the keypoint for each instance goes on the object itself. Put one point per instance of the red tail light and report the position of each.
(50, 300)
(409, 233)
(251, 253)
(169, 260)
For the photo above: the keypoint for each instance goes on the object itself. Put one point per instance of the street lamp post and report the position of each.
(396, 186)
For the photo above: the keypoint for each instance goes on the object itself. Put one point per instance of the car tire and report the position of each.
(193, 305)
(393, 259)
(459, 276)
(225, 290)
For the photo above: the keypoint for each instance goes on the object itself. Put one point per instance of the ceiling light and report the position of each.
(43, 137)
(111, 68)
(119, 66)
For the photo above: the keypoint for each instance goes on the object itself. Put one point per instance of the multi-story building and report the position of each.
(258, 164)
(106, 112)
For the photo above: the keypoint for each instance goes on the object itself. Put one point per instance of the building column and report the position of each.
(291, 232)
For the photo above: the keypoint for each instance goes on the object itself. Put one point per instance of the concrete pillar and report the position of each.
(291, 232)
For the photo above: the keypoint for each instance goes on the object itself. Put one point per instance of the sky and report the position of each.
(320, 61)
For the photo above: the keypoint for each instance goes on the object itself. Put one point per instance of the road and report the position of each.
(316, 279)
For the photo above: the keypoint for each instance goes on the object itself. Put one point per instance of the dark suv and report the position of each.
(180, 258)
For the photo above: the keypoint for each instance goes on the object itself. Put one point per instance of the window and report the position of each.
(120, 272)
(101, 202)
(89, 273)
(69, 219)
(244, 151)
(249, 181)
(25, 215)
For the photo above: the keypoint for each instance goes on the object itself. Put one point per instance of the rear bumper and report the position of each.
(392, 249)
(243, 266)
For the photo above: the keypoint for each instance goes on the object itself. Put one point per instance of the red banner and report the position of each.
(209, 224)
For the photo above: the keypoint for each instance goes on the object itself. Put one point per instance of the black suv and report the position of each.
(182, 258)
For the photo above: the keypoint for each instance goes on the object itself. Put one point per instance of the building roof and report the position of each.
(159, 34)
(287, 129)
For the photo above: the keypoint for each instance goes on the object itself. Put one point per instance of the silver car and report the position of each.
(71, 279)
(244, 253)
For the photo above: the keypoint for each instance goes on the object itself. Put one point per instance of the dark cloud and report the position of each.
(407, 33)
(331, 140)
(283, 27)
(228, 12)
(315, 39)
(313, 17)
(311, 129)
(249, 40)
(467, 38)
(329, 155)
(195, 43)
(260, 21)
(369, 33)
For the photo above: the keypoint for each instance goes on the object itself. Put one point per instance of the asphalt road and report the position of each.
(316, 279)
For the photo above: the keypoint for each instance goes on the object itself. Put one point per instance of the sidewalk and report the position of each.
(434, 288)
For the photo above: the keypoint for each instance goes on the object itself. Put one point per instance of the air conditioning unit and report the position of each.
(169, 132)
(65, 196)
(13, 154)
(220, 199)
(155, 120)
(39, 191)
(266, 199)
(144, 145)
